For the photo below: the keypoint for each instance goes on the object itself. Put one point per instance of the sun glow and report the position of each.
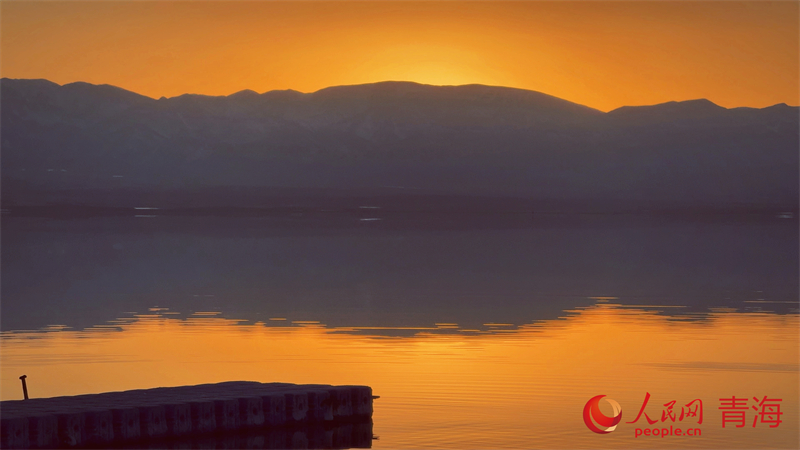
(436, 65)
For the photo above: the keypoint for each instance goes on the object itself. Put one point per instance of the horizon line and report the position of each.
(398, 82)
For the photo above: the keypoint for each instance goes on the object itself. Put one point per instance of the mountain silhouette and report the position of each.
(99, 145)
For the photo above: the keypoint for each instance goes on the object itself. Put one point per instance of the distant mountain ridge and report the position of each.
(102, 145)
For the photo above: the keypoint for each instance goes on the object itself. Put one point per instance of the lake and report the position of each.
(476, 331)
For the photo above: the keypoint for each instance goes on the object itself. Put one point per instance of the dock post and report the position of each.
(24, 386)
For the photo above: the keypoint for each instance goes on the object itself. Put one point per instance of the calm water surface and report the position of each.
(474, 333)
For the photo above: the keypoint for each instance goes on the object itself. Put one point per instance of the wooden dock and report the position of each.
(260, 415)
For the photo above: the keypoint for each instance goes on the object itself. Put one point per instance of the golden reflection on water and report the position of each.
(445, 387)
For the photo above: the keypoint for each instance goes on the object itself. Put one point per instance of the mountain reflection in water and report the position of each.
(444, 386)
(473, 337)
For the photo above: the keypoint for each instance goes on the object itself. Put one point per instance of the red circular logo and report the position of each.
(592, 415)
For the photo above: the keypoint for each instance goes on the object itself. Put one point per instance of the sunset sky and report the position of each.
(599, 54)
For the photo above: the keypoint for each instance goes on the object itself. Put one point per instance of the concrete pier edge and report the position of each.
(143, 416)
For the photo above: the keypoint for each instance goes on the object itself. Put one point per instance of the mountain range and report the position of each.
(100, 145)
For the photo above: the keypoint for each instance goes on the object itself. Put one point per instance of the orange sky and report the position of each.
(600, 54)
